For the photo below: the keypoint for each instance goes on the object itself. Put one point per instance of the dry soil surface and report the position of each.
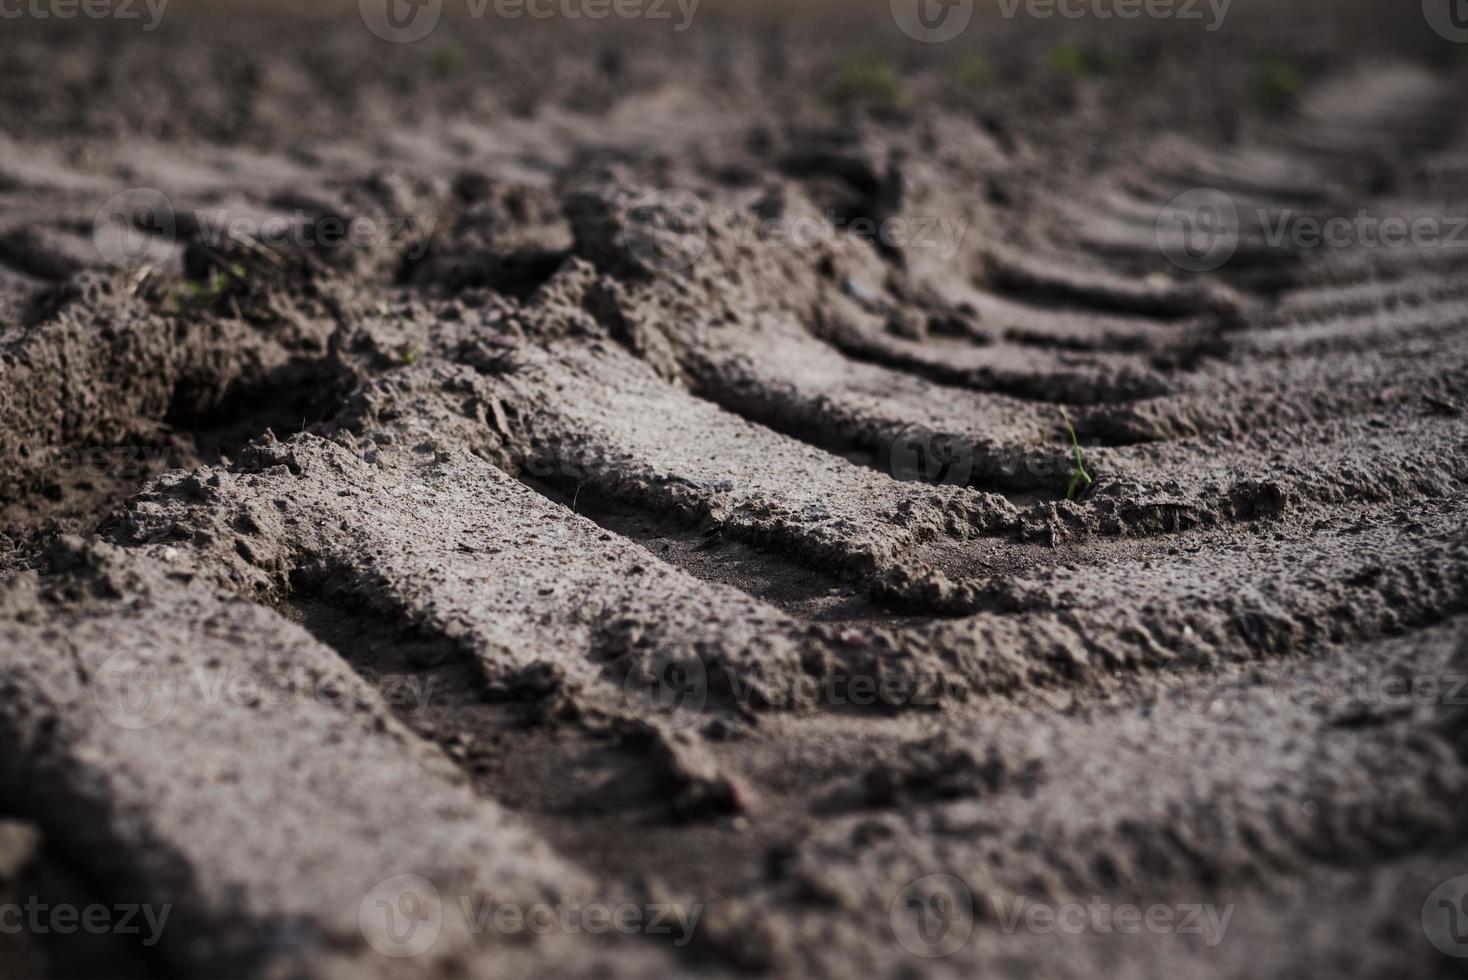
(492, 506)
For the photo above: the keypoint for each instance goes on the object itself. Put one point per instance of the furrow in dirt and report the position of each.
(626, 435)
(1067, 281)
(803, 388)
(1015, 370)
(100, 388)
(1370, 784)
(241, 713)
(1102, 608)
(1245, 394)
(403, 519)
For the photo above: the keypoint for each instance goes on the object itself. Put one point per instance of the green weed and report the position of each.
(208, 294)
(1070, 60)
(1277, 85)
(865, 78)
(1078, 475)
(448, 61)
(973, 71)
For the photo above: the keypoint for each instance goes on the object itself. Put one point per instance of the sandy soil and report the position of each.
(489, 507)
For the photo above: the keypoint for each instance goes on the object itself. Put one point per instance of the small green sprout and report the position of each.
(973, 71)
(1078, 475)
(220, 284)
(865, 78)
(448, 61)
(1069, 59)
(412, 354)
(1277, 85)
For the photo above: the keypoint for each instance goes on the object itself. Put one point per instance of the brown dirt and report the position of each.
(576, 541)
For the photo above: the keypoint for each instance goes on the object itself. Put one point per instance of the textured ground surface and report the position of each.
(613, 526)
